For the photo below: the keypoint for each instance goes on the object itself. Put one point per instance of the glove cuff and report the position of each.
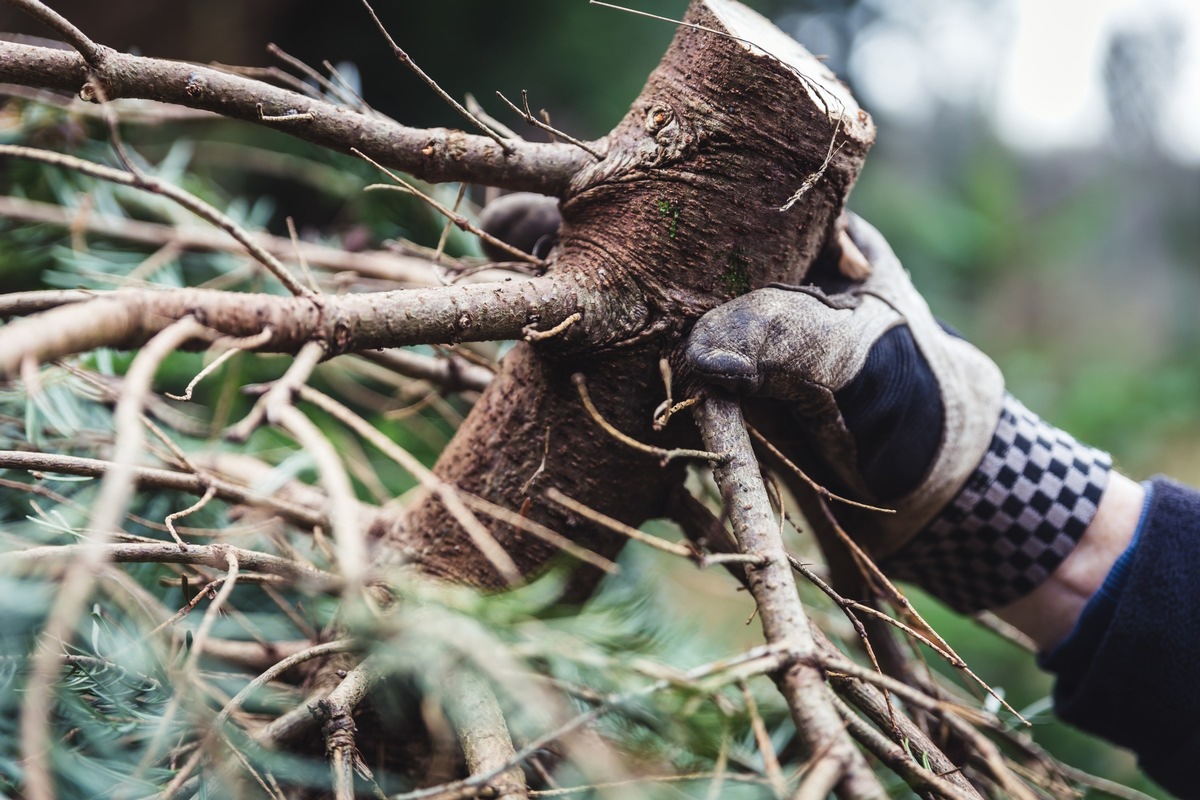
(1017, 517)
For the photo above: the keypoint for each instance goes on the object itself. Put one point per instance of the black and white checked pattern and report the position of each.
(1017, 517)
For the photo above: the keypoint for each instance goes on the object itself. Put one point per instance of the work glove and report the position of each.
(898, 412)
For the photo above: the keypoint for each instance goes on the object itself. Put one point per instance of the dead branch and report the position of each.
(436, 154)
(116, 490)
(483, 735)
(899, 761)
(783, 617)
(127, 319)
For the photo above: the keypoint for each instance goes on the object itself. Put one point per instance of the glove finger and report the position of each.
(786, 344)
(524, 220)
(724, 346)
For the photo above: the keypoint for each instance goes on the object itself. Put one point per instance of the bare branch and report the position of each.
(108, 511)
(452, 373)
(528, 116)
(484, 735)
(407, 61)
(436, 155)
(784, 620)
(899, 761)
(348, 532)
(127, 319)
(458, 220)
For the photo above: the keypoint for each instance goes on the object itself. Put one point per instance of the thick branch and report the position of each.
(434, 154)
(127, 319)
(784, 620)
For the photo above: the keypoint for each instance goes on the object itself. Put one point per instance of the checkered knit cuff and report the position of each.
(1017, 517)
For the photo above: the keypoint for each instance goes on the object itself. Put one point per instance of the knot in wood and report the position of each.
(195, 86)
(658, 119)
(88, 92)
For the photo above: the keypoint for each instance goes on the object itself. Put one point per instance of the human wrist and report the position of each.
(1050, 611)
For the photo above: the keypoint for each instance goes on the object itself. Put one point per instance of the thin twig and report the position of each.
(347, 88)
(528, 116)
(111, 504)
(451, 373)
(816, 487)
(539, 530)
(943, 648)
(460, 221)
(617, 526)
(666, 455)
(281, 391)
(235, 346)
(295, 237)
(349, 535)
(480, 535)
(317, 651)
(382, 265)
(765, 748)
(899, 761)
(317, 77)
(212, 555)
(189, 669)
(407, 61)
(149, 477)
(499, 127)
(192, 509)
(157, 186)
(532, 334)
(445, 237)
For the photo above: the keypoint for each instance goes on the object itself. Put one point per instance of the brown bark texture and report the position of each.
(683, 214)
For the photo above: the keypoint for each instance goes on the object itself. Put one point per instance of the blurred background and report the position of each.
(1036, 169)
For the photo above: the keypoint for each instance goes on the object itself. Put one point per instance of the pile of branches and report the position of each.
(226, 572)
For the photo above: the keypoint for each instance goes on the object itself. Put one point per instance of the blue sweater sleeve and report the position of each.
(1128, 672)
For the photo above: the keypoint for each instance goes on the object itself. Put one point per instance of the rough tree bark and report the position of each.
(729, 172)
(683, 214)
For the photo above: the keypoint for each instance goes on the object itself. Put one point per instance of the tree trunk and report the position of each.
(683, 214)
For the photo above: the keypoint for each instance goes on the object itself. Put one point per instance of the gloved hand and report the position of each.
(989, 499)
